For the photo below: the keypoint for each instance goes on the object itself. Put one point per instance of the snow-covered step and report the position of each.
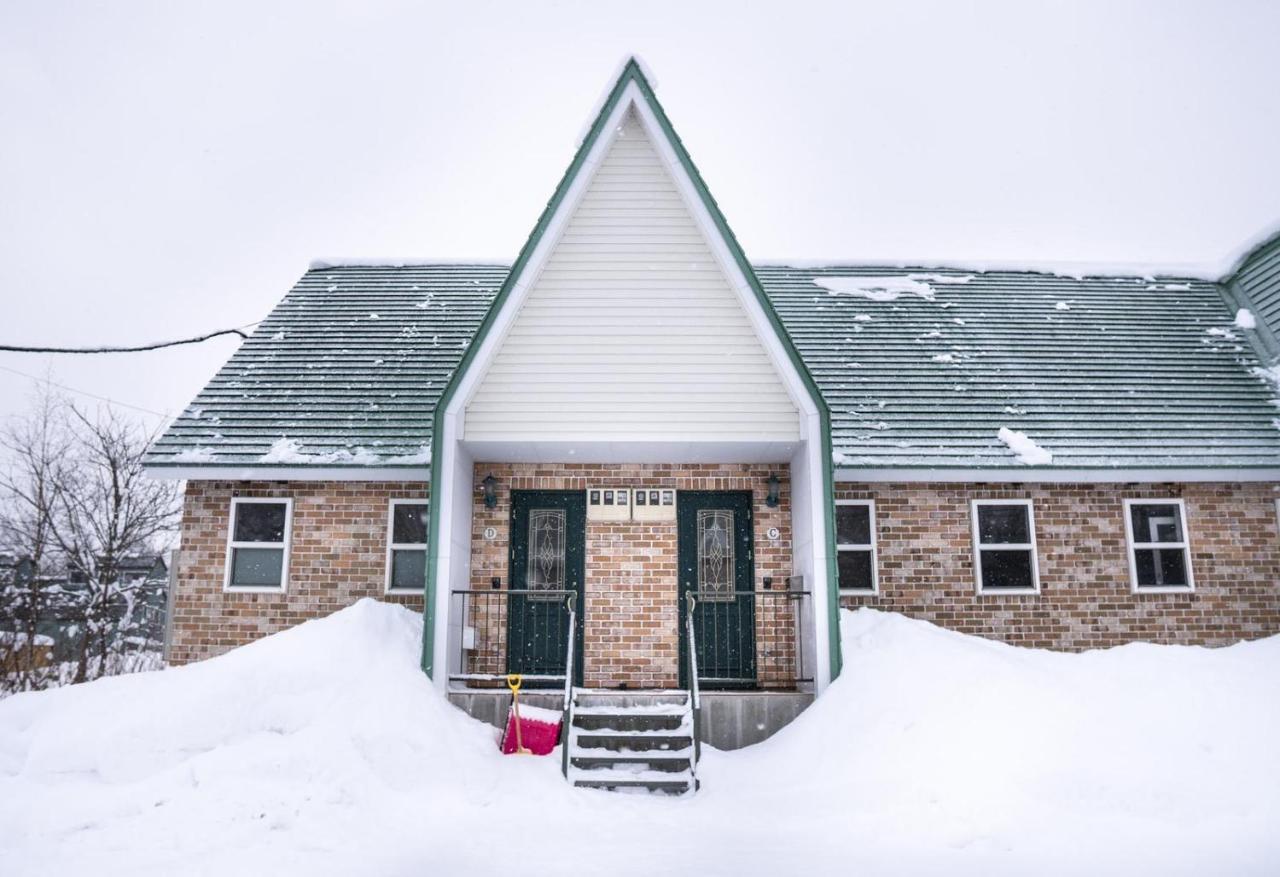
(648, 709)
(654, 762)
(648, 787)
(632, 741)
(589, 698)
(630, 721)
(618, 741)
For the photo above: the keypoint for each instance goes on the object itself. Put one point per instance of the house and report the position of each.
(633, 439)
(65, 595)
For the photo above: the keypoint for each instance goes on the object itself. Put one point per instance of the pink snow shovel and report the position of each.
(531, 731)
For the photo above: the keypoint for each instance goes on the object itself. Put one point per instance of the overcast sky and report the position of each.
(170, 168)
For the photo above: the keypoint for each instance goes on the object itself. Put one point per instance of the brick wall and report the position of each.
(926, 564)
(924, 545)
(338, 555)
(630, 612)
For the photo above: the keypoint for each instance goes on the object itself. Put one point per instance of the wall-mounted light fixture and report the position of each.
(772, 499)
(490, 491)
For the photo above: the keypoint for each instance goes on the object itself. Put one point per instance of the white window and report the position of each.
(1004, 547)
(1159, 553)
(856, 546)
(407, 546)
(258, 545)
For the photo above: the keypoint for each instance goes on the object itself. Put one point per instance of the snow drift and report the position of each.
(323, 750)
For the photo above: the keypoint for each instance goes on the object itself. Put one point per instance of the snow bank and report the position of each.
(1026, 449)
(276, 754)
(324, 750)
(1138, 759)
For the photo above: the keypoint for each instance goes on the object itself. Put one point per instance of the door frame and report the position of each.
(691, 501)
(574, 502)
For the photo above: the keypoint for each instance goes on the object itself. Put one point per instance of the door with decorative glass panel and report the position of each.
(716, 560)
(548, 531)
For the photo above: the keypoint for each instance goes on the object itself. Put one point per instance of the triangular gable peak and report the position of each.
(632, 332)
(795, 423)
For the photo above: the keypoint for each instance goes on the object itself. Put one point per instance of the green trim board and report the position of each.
(1254, 284)
(633, 74)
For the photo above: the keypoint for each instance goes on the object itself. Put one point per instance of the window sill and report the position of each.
(858, 592)
(405, 592)
(1008, 592)
(240, 589)
(1179, 589)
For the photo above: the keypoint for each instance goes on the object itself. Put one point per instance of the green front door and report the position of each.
(716, 569)
(548, 532)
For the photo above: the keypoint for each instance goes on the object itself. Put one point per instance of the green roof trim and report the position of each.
(1255, 285)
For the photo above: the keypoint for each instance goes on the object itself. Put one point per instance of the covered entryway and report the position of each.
(631, 347)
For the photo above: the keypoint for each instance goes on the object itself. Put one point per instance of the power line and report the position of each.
(15, 348)
(83, 392)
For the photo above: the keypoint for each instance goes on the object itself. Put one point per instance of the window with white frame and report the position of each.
(1159, 553)
(856, 545)
(258, 544)
(1004, 547)
(407, 546)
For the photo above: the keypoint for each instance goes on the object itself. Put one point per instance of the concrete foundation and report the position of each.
(730, 720)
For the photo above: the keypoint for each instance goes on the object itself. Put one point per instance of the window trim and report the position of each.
(232, 545)
(1185, 545)
(393, 546)
(853, 546)
(979, 546)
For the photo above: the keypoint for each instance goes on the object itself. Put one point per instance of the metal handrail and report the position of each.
(541, 593)
(569, 658)
(570, 598)
(695, 694)
(777, 671)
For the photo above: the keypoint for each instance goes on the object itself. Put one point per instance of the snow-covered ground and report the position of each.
(323, 750)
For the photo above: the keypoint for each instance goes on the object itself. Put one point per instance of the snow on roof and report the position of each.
(919, 369)
(886, 287)
(324, 264)
(607, 90)
(1068, 269)
(1024, 447)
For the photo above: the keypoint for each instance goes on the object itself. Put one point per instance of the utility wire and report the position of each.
(15, 348)
(82, 392)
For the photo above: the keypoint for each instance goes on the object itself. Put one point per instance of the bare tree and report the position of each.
(107, 510)
(37, 450)
(76, 508)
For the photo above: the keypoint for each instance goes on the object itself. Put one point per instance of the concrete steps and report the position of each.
(632, 742)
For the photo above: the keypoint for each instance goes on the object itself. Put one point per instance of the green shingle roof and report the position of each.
(920, 368)
(347, 368)
(1101, 372)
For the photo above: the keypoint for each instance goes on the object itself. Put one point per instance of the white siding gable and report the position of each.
(631, 332)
